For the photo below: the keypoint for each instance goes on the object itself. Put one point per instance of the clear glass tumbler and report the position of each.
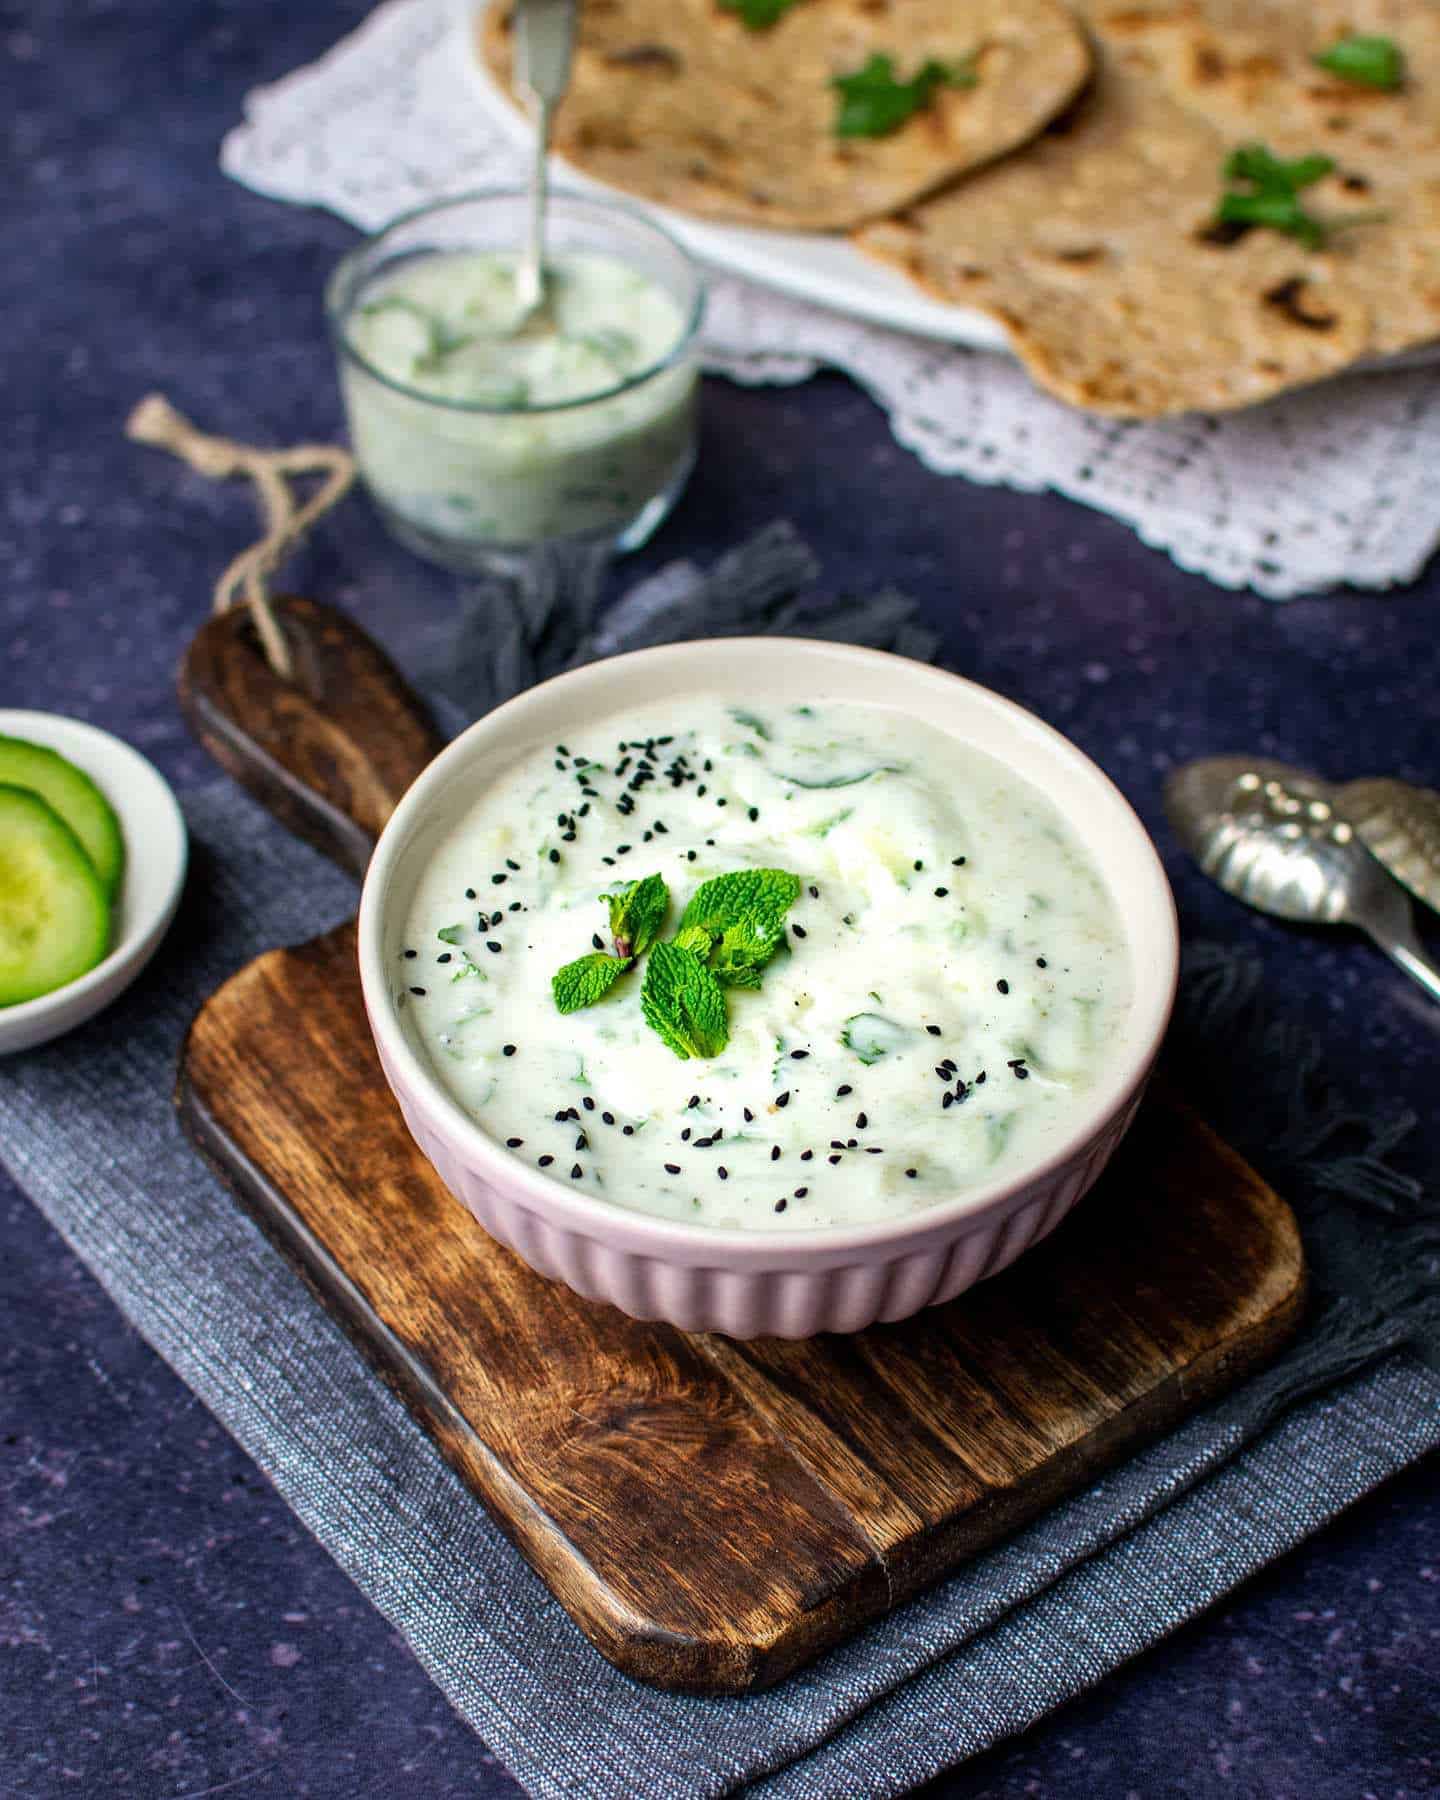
(476, 485)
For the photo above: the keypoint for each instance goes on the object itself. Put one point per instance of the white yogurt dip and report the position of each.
(952, 980)
(510, 439)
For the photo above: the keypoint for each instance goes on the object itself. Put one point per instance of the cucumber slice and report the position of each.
(75, 797)
(54, 916)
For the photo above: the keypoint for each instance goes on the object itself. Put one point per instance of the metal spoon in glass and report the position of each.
(544, 40)
(1270, 835)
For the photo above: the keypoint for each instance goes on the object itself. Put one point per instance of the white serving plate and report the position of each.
(156, 852)
(826, 270)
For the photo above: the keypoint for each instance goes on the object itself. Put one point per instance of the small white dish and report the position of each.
(156, 853)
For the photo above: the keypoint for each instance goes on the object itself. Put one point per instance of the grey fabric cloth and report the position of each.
(87, 1128)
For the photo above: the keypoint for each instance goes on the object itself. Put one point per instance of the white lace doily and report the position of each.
(1331, 486)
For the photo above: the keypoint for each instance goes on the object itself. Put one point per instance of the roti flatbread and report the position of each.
(680, 102)
(1096, 247)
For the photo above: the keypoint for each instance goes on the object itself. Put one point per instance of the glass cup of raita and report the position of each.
(479, 442)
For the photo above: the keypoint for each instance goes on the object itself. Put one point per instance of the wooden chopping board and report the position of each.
(712, 1514)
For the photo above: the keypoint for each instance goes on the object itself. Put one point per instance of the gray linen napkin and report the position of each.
(87, 1129)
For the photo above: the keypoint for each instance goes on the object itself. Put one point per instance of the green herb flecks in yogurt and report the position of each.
(939, 994)
(510, 437)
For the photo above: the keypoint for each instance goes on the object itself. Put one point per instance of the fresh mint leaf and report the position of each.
(450, 934)
(586, 980)
(696, 939)
(873, 103)
(636, 914)
(683, 1002)
(1373, 62)
(758, 15)
(757, 897)
(743, 951)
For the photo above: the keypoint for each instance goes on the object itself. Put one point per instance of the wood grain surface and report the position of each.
(712, 1514)
(331, 752)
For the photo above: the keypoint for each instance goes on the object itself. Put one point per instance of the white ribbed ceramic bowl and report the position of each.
(795, 1283)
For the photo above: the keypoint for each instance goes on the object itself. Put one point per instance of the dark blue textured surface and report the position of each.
(166, 1629)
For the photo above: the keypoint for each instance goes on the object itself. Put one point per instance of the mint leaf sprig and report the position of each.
(731, 928)
(758, 15)
(873, 102)
(637, 913)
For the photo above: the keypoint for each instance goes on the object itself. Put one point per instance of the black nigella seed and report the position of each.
(554, 855)
(608, 1117)
(910, 1174)
(493, 946)
(783, 1099)
(419, 991)
(861, 1121)
(800, 1193)
(694, 1100)
(597, 940)
(567, 837)
(689, 856)
(949, 1065)
(832, 1159)
(515, 906)
(645, 839)
(957, 862)
(807, 1156)
(583, 810)
(852, 1143)
(774, 1153)
(576, 1172)
(919, 866)
(627, 1131)
(701, 790)
(513, 866)
(672, 1168)
(609, 861)
(947, 1099)
(942, 1071)
(443, 957)
(685, 1135)
(513, 1143)
(660, 828)
(781, 1204)
(723, 1172)
(588, 1104)
(581, 1141)
(940, 893)
(1040, 963)
(545, 1161)
(707, 765)
(835, 1144)
(980, 1079)
(410, 955)
(1022, 1073)
(934, 1030)
(561, 750)
(875, 1150)
(497, 918)
(814, 892)
(622, 849)
(1002, 987)
(749, 1116)
(507, 1049)
(753, 814)
(470, 894)
(841, 1092)
(499, 880)
(798, 1055)
(799, 930)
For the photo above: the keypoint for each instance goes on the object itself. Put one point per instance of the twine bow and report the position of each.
(155, 421)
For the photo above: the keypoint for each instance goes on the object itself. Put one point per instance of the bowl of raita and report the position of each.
(766, 986)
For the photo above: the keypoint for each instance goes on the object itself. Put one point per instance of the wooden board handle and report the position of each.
(329, 752)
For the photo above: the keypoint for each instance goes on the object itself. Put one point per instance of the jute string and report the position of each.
(286, 520)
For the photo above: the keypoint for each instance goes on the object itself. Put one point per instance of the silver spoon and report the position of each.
(1270, 835)
(544, 41)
